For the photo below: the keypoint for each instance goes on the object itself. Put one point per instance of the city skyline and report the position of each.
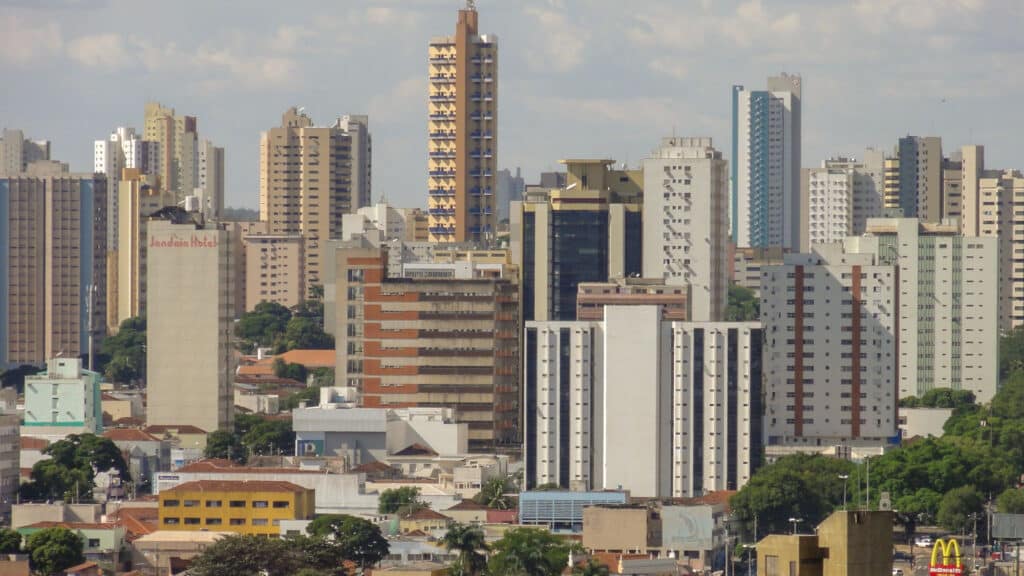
(559, 78)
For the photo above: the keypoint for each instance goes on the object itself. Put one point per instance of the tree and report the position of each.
(743, 305)
(391, 500)
(15, 377)
(126, 351)
(10, 541)
(958, 507)
(311, 396)
(590, 568)
(270, 437)
(359, 540)
(939, 398)
(528, 551)
(51, 550)
(224, 444)
(492, 494)
(320, 554)
(303, 332)
(247, 555)
(1011, 353)
(1011, 501)
(71, 469)
(468, 541)
(291, 370)
(263, 326)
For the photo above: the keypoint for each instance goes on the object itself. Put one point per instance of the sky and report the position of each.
(577, 78)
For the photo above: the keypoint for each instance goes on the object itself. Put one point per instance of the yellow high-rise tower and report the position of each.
(463, 129)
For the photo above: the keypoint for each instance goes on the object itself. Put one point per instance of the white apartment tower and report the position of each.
(838, 198)
(122, 149)
(830, 348)
(660, 408)
(686, 226)
(766, 164)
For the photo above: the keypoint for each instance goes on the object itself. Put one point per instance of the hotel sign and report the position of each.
(176, 241)
(945, 559)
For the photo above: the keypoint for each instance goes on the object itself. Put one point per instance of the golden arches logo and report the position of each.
(946, 558)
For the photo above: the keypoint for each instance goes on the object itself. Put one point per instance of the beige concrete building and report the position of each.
(190, 279)
(594, 296)
(52, 263)
(847, 543)
(17, 152)
(177, 138)
(210, 179)
(622, 528)
(747, 264)
(310, 177)
(462, 154)
(139, 197)
(274, 269)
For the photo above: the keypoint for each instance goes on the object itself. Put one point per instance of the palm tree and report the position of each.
(492, 494)
(468, 540)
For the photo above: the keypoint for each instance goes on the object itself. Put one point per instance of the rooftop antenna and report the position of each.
(471, 5)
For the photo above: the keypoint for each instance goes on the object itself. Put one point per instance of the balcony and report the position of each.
(441, 230)
(445, 97)
(480, 173)
(442, 79)
(479, 116)
(442, 115)
(441, 211)
(477, 135)
(478, 191)
(442, 58)
(442, 173)
(481, 154)
(441, 191)
(443, 135)
(485, 211)
(443, 154)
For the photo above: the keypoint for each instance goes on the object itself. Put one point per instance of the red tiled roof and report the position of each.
(29, 443)
(235, 486)
(415, 450)
(369, 467)
(74, 525)
(174, 429)
(129, 421)
(82, 566)
(308, 358)
(467, 505)
(218, 465)
(426, 514)
(129, 435)
(137, 521)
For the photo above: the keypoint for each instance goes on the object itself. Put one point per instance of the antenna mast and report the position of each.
(471, 5)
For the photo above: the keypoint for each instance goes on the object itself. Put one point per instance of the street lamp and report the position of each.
(748, 548)
(795, 521)
(844, 478)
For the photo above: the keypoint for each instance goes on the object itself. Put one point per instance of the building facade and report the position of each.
(210, 179)
(588, 231)
(838, 198)
(17, 152)
(310, 177)
(122, 149)
(766, 166)
(510, 188)
(686, 223)
(462, 153)
(190, 277)
(177, 139)
(659, 408)
(53, 265)
(63, 400)
(920, 177)
(274, 269)
(830, 348)
(445, 342)
(594, 296)
(254, 507)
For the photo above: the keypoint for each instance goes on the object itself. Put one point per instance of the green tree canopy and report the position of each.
(246, 555)
(274, 326)
(960, 508)
(10, 541)
(590, 568)
(263, 326)
(126, 352)
(291, 370)
(743, 305)
(359, 540)
(225, 444)
(391, 500)
(1011, 501)
(52, 550)
(939, 398)
(492, 494)
(15, 377)
(1011, 353)
(469, 542)
(71, 469)
(303, 332)
(529, 551)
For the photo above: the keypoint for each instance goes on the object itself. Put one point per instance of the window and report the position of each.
(172, 521)
(280, 504)
(771, 565)
(93, 543)
(171, 503)
(214, 521)
(191, 503)
(259, 504)
(259, 521)
(237, 522)
(213, 503)
(237, 503)
(191, 521)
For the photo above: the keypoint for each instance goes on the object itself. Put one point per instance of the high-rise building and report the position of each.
(310, 177)
(686, 222)
(588, 231)
(766, 164)
(122, 149)
(838, 198)
(139, 197)
(433, 341)
(462, 154)
(53, 263)
(17, 152)
(593, 297)
(634, 402)
(178, 140)
(920, 173)
(63, 400)
(190, 275)
(210, 179)
(510, 188)
(830, 347)
(948, 303)
(273, 269)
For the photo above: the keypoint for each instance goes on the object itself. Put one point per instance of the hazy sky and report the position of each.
(577, 78)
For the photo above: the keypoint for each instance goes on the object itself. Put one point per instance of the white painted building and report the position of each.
(838, 198)
(830, 348)
(122, 149)
(636, 403)
(63, 400)
(210, 179)
(686, 225)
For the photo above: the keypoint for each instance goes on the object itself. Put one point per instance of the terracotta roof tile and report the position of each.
(174, 429)
(467, 505)
(29, 443)
(415, 450)
(235, 486)
(75, 525)
(426, 514)
(129, 435)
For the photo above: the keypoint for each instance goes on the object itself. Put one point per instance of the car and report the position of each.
(899, 556)
(897, 572)
(923, 541)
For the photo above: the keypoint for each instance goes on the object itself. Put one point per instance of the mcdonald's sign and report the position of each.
(945, 559)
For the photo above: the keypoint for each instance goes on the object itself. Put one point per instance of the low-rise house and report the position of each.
(245, 507)
(161, 549)
(181, 436)
(32, 513)
(145, 454)
(425, 520)
(104, 542)
(467, 512)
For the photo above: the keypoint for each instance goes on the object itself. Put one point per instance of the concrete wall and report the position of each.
(622, 529)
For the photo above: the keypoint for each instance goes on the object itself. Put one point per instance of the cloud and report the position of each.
(387, 16)
(23, 42)
(406, 99)
(669, 66)
(561, 43)
(106, 51)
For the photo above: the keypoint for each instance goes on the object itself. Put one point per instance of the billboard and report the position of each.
(1008, 526)
(945, 559)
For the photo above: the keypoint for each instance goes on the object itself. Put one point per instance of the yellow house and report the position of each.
(424, 520)
(243, 507)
